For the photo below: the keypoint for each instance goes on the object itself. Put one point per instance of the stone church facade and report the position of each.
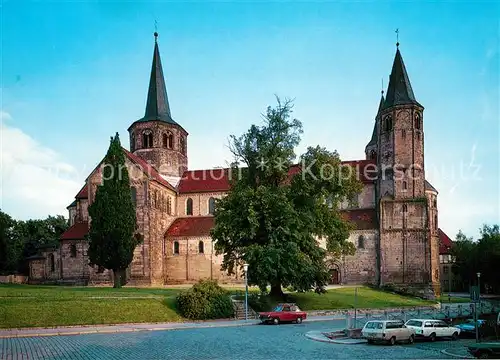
(395, 215)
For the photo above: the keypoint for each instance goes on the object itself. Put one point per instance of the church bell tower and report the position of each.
(408, 239)
(156, 137)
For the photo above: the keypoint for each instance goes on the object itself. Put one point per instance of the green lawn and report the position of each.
(444, 299)
(343, 298)
(46, 306)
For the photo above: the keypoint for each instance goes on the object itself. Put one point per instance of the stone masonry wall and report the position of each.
(191, 265)
(200, 202)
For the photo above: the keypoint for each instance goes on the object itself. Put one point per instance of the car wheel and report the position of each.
(454, 337)
(411, 339)
(483, 355)
(299, 320)
(392, 341)
(276, 321)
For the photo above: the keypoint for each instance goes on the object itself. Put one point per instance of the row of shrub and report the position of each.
(206, 300)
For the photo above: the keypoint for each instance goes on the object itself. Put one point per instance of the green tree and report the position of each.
(113, 231)
(270, 218)
(23, 238)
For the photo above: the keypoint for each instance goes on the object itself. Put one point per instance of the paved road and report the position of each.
(244, 342)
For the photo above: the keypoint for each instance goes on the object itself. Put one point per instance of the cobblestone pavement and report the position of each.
(286, 341)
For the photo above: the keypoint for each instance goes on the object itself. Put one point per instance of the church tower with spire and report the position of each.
(408, 235)
(156, 137)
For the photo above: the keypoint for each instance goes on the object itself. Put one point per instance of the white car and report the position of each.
(387, 331)
(432, 329)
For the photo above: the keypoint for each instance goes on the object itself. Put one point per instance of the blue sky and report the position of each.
(74, 73)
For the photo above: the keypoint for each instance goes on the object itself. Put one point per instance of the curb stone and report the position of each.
(446, 352)
(318, 336)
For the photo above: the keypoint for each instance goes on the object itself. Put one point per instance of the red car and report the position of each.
(283, 313)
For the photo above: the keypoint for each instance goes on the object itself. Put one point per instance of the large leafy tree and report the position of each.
(481, 256)
(275, 211)
(20, 239)
(113, 230)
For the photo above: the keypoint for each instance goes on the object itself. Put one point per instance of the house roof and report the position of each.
(362, 219)
(76, 232)
(148, 169)
(218, 180)
(191, 226)
(83, 193)
(445, 243)
(73, 204)
(429, 187)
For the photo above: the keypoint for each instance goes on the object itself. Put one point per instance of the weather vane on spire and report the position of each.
(397, 37)
(382, 87)
(156, 30)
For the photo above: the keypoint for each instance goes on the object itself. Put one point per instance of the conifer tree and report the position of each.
(112, 235)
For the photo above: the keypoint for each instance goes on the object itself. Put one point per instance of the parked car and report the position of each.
(283, 313)
(486, 350)
(387, 331)
(432, 329)
(468, 326)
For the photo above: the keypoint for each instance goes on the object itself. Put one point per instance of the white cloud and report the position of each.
(35, 182)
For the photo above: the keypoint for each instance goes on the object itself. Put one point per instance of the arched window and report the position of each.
(361, 242)
(211, 206)
(373, 155)
(388, 123)
(201, 247)
(147, 139)
(72, 250)
(405, 208)
(132, 143)
(176, 247)
(435, 222)
(405, 185)
(189, 206)
(403, 134)
(52, 263)
(418, 123)
(133, 194)
(169, 205)
(434, 203)
(168, 140)
(182, 145)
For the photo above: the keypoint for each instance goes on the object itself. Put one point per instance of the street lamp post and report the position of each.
(245, 268)
(475, 305)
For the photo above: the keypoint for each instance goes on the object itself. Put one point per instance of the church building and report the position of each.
(395, 216)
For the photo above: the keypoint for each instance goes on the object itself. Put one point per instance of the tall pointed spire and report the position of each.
(399, 91)
(373, 140)
(157, 107)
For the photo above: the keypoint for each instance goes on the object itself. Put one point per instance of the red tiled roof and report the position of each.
(148, 169)
(217, 180)
(191, 226)
(76, 232)
(83, 193)
(363, 219)
(445, 243)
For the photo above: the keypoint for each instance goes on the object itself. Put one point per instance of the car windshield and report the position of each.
(374, 325)
(414, 323)
(278, 308)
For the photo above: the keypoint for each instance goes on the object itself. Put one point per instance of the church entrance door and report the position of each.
(334, 277)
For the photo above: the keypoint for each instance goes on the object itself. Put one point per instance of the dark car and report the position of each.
(283, 313)
(486, 350)
(468, 327)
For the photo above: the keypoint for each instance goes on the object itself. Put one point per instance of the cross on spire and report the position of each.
(397, 37)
